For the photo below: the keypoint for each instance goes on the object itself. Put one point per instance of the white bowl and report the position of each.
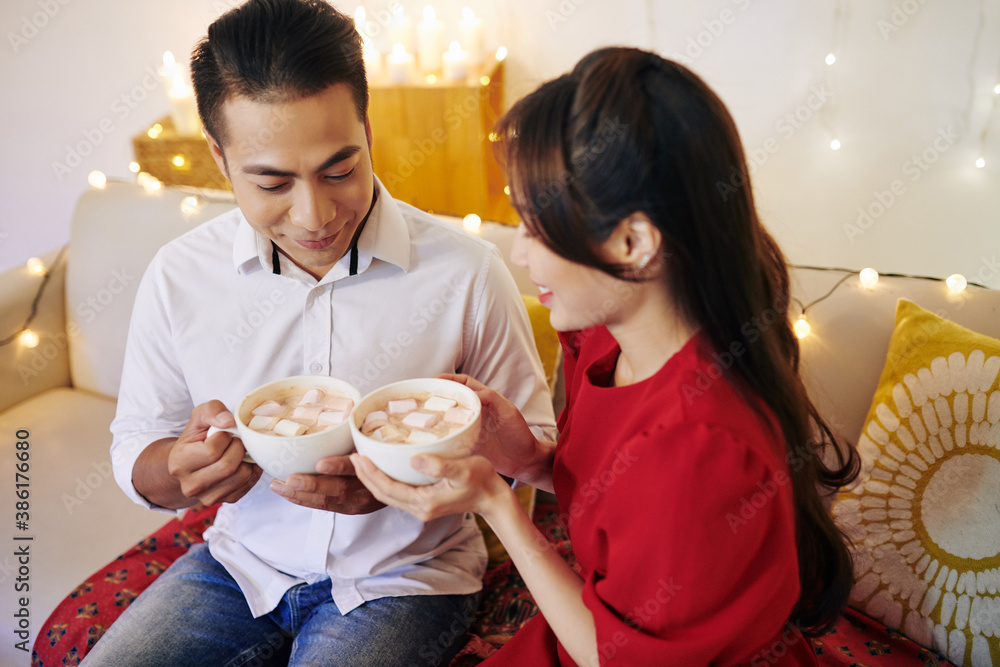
(393, 458)
(279, 455)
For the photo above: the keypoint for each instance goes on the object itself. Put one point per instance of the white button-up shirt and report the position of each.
(212, 321)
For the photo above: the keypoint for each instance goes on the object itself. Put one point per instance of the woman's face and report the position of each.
(578, 296)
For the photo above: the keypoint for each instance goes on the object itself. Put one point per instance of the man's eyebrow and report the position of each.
(264, 170)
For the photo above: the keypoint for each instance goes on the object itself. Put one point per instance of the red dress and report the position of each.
(679, 506)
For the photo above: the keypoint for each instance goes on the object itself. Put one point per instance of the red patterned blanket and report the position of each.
(83, 617)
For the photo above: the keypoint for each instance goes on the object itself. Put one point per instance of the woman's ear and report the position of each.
(635, 242)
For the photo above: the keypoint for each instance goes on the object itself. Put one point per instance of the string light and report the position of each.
(24, 334)
(502, 54)
(868, 278)
(956, 283)
(28, 338)
(190, 205)
(36, 267)
(801, 327)
(484, 80)
(506, 190)
(431, 79)
(154, 131)
(472, 223)
(830, 59)
(148, 182)
(981, 162)
(97, 179)
(178, 161)
(134, 167)
(835, 145)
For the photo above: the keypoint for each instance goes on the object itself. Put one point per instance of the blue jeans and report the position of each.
(195, 614)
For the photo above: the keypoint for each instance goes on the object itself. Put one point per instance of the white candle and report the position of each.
(373, 60)
(400, 29)
(470, 35)
(456, 63)
(430, 42)
(399, 63)
(183, 109)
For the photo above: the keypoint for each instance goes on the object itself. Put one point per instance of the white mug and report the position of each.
(280, 456)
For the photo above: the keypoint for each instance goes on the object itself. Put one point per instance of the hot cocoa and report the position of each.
(299, 411)
(416, 419)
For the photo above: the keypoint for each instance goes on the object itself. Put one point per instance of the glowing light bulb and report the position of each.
(190, 205)
(981, 162)
(484, 80)
(134, 167)
(830, 59)
(28, 338)
(431, 78)
(996, 89)
(472, 223)
(36, 267)
(178, 160)
(494, 137)
(801, 327)
(506, 190)
(148, 182)
(868, 278)
(97, 179)
(154, 131)
(502, 54)
(835, 145)
(957, 283)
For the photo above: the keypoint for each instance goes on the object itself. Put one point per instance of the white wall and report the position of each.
(912, 78)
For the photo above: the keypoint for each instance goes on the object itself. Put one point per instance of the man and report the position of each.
(319, 271)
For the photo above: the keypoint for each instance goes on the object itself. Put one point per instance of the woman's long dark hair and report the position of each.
(629, 131)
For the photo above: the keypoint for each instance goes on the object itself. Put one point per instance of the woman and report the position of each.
(690, 462)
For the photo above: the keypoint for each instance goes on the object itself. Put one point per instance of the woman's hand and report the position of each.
(467, 484)
(504, 436)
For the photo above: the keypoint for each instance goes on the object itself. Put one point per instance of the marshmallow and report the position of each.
(458, 416)
(439, 404)
(268, 408)
(417, 437)
(287, 427)
(307, 415)
(423, 420)
(332, 418)
(407, 405)
(389, 433)
(339, 404)
(312, 397)
(261, 423)
(374, 420)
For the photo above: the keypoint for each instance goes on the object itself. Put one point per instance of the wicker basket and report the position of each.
(196, 169)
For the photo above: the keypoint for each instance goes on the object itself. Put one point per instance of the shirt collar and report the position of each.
(386, 237)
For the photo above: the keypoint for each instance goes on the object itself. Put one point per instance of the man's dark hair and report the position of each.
(273, 51)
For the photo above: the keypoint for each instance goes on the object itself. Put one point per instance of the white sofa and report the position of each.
(63, 391)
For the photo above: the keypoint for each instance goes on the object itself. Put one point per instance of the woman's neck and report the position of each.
(653, 332)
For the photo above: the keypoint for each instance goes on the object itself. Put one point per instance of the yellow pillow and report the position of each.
(924, 514)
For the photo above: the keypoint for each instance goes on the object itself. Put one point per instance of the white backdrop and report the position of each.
(909, 98)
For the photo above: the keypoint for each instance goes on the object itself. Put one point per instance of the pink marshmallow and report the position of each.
(339, 404)
(332, 418)
(406, 405)
(421, 420)
(373, 421)
(268, 409)
(306, 414)
(458, 416)
(312, 397)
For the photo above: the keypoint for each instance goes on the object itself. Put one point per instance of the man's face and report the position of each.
(301, 172)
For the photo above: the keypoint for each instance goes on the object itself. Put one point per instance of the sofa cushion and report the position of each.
(924, 514)
(115, 232)
(78, 518)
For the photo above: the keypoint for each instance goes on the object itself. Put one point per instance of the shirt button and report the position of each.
(316, 368)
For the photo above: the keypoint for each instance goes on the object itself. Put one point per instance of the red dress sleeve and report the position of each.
(699, 537)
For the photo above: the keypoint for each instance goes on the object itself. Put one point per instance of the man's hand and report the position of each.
(200, 470)
(335, 489)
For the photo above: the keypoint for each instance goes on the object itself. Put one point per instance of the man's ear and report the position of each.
(635, 242)
(368, 131)
(216, 150)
